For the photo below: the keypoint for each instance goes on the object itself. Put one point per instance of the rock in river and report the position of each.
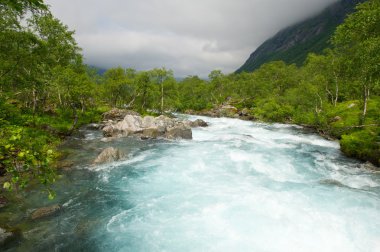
(108, 155)
(180, 131)
(45, 212)
(150, 127)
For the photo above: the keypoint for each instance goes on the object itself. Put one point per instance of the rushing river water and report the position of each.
(237, 186)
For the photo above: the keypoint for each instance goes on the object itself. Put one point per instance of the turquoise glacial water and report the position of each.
(237, 186)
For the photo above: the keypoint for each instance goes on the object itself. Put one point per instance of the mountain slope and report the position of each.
(294, 43)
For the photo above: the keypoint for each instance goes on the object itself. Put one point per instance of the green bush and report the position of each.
(26, 154)
(363, 144)
(271, 110)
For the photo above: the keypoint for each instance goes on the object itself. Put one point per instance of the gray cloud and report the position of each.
(190, 37)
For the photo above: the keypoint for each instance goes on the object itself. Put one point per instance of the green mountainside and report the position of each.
(292, 44)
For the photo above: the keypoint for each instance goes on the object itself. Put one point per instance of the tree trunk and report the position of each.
(336, 82)
(330, 95)
(336, 89)
(83, 106)
(131, 102)
(365, 103)
(144, 100)
(59, 98)
(75, 119)
(34, 99)
(365, 99)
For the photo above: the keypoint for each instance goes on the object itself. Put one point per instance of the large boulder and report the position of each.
(164, 122)
(108, 155)
(151, 133)
(130, 125)
(150, 127)
(148, 122)
(45, 212)
(179, 131)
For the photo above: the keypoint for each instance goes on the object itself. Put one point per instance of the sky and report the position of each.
(189, 37)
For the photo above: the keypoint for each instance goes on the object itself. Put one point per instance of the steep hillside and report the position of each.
(294, 43)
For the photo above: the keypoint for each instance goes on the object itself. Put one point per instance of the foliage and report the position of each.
(24, 154)
(363, 144)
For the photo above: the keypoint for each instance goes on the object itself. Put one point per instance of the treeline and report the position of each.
(46, 91)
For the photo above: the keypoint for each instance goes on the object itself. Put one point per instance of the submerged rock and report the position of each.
(65, 164)
(3, 201)
(369, 166)
(108, 155)
(93, 126)
(45, 212)
(4, 235)
(7, 237)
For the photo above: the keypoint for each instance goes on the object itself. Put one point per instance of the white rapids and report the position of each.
(243, 186)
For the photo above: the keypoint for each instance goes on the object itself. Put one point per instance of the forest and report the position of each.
(47, 91)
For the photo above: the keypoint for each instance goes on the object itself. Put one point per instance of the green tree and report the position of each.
(161, 76)
(357, 41)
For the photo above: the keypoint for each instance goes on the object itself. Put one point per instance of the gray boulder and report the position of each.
(150, 127)
(108, 155)
(151, 133)
(164, 122)
(130, 125)
(148, 122)
(179, 131)
(110, 131)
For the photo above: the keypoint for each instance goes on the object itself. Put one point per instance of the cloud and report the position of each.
(189, 37)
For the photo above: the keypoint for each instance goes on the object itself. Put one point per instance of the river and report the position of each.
(237, 186)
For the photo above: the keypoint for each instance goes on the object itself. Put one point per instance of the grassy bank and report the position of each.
(28, 142)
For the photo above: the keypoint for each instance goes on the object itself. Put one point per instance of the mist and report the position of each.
(189, 37)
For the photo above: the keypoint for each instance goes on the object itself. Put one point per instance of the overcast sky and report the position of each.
(191, 37)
